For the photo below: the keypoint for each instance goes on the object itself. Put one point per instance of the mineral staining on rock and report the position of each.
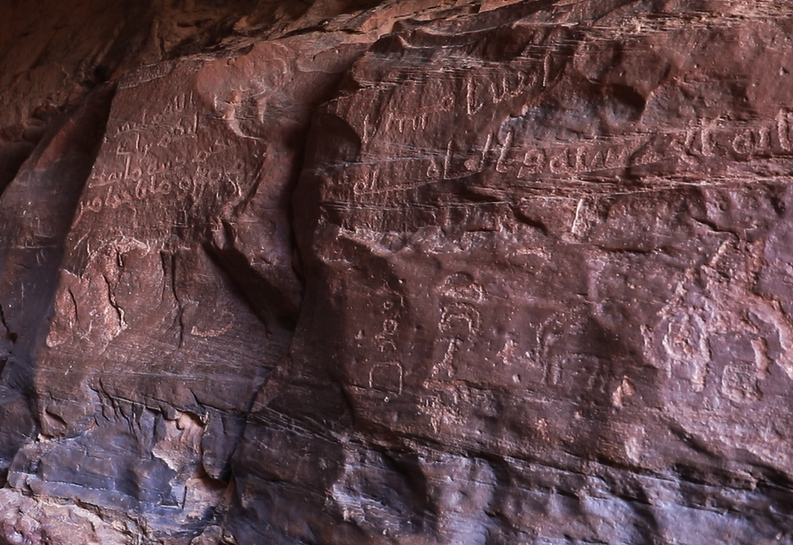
(433, 274)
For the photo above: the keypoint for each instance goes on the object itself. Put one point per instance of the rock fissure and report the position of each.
(478, 272)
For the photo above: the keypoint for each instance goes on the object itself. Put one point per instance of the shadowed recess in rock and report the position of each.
(472, 272)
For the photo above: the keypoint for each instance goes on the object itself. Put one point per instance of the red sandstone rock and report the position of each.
(489, 272)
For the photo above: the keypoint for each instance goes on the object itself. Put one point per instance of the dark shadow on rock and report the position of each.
(36, 211)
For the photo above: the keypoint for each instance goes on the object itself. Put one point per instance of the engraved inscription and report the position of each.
(505, 152)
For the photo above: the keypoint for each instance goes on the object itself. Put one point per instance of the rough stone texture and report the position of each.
(397, 272)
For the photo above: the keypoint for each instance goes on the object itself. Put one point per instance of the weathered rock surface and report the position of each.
(398, 272)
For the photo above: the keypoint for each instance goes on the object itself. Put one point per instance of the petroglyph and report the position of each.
(386, 376)
(695, 323)
(462, 286)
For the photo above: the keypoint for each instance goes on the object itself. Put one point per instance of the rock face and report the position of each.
(399, 272)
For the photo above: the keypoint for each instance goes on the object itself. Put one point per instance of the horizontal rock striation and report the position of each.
(402, 272)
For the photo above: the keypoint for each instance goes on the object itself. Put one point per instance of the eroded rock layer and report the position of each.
(403, 272)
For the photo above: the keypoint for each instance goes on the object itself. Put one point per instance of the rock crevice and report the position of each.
(397, 272)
